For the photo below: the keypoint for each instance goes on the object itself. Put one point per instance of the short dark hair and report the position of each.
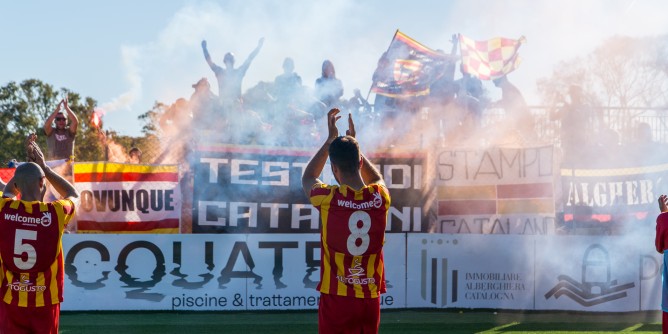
(134, 150)
(344, 153)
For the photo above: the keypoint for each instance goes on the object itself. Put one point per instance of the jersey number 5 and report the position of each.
(358, 232)
(21, 248)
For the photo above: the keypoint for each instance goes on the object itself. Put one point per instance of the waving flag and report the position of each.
(127, 198)
(490, 59)
(408, 68)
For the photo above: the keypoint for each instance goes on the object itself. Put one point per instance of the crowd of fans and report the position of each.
(284, 112)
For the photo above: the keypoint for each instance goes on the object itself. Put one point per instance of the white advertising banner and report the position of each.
(650, 279)
(205, 272)
(579, 273)
(202, 272)
(470, 271)
(587, 273)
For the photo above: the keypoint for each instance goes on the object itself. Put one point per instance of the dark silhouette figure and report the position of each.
(230, 78)
(328, 89)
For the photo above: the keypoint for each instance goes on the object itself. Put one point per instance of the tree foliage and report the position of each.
(25, 106)
(23, 109)
(622, 72)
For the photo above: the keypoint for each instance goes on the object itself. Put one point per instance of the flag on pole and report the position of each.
(408, 68)
(490, 59)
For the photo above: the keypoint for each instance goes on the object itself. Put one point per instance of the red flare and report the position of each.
(95, 120)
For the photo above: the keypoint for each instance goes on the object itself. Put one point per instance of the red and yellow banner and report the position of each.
(127, 198)
(497, 190)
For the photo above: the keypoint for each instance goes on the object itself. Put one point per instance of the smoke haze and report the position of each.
(353, 35)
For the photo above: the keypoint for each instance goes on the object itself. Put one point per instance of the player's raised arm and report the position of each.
(663, 203)
(62, 186)
(317, 164)
(370, 174)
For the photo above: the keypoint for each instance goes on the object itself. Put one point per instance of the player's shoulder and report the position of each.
(320, 188)
(379, 187)
(662, 218)
(67, 204)
(4, 199)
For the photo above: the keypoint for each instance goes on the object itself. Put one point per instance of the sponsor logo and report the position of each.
(376, 202)
(596, 286)
(23, 284)
(355, 275)
(45, 220)
(434, 279)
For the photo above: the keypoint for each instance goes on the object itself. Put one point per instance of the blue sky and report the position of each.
(129, 54)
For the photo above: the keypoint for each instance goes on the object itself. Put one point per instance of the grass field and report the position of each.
(392, 321)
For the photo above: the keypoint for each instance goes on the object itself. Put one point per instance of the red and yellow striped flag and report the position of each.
(127, 198)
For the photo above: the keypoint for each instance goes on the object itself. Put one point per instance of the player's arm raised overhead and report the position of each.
(370, 174)
(317, 164)
(62, 186)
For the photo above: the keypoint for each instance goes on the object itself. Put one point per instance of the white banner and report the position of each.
(583, 273)
(280, 271)
(206, 272)
(588, 274)
(470, 271)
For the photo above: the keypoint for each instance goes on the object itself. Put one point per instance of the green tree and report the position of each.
(23, 108)
(150, 144)
(625, 74)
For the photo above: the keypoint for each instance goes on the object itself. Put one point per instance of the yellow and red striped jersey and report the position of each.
(351, 239)
(31, 251)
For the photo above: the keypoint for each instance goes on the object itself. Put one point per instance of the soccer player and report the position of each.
(353, 216)
(31, 256)
(661, 243)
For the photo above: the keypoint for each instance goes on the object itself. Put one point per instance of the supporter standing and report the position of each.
(32, 284)
(230, 78)
(353, 219)
(512, 100)
(288, 85)
(577, 121)
(328, 89)
(60, 140)
(134, 155)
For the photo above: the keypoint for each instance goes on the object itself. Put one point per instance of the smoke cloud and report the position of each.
(353, 35)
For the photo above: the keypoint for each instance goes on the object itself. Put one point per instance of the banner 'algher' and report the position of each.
(490, 59)
(126, 198)
(407, 68)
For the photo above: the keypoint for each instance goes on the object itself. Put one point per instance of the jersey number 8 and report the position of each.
(358, 232)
